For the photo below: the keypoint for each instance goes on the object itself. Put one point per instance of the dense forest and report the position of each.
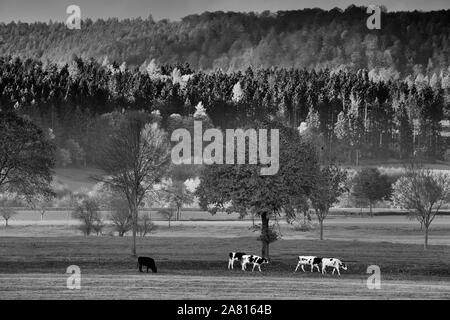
(349, 116)
(408, 43)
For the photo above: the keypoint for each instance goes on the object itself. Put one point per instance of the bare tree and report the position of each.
(41, 203)
(168, 213)
(329, 186)
(134, 159)
(120, 216)
(7, 202)
(6, 214)
(145, 225)
(177, 195)
(424, 192)
(87, 211)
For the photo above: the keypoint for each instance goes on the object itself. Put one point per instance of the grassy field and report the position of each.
(396, 229)
(196, 267)
(192, 259)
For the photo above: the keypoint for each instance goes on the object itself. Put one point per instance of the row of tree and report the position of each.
(354, 116)
(136, 157)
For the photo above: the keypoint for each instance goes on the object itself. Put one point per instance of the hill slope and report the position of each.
(408, 42)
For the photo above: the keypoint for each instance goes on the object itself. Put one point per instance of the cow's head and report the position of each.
(343, 266)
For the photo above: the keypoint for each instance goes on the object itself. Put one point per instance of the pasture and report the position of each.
(395, 229)
(193, 265)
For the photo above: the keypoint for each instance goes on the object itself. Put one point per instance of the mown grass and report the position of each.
(252, 286)
(208, 256)
(196, 268)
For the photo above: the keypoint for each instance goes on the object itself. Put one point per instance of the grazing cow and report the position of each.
(257, 261)
(312, 261)
(146, 262)
(334, 263)
(234, 256)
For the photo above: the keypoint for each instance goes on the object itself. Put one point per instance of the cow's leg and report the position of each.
(243, 266)
(259, 267)
(230, 266)
(303, 268)
(338, 271)
(323, 269)
(298, 264)
(334, 269)
(312, 267)
(254, 265)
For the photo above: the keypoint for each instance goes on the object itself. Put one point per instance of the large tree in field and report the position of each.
(330, 184)
(134, 159)
(423, 192)
(241, 188)
(26, 157)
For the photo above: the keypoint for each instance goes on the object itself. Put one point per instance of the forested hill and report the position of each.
(408, 42)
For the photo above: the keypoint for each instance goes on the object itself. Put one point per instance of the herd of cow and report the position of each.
(314, 262)
(320, 263)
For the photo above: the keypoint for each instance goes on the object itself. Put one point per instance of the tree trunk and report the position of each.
(42, 215)
(6, 223)
(370, 209)
(321, 228)
(425, 246)
(134, 212)
(265, 231)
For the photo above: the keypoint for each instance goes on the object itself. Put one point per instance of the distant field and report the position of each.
(197, 268)
(396, 229)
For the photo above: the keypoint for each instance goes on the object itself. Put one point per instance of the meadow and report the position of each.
(192, 261)
(192, 256)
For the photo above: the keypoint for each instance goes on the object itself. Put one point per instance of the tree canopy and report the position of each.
(407, 43)
(241, 188)
(26, 157)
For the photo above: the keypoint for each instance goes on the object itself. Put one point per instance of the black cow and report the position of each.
(146, 262)
(317, 262)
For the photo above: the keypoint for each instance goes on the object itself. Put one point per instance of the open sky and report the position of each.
(44, 10)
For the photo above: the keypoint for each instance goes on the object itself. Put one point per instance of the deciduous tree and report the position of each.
(134, 159)
(423, 192)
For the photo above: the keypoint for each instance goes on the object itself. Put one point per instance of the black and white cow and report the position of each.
(312, 261)
(257, 261)
(234, 256)
(146, 262)
(334, 263)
